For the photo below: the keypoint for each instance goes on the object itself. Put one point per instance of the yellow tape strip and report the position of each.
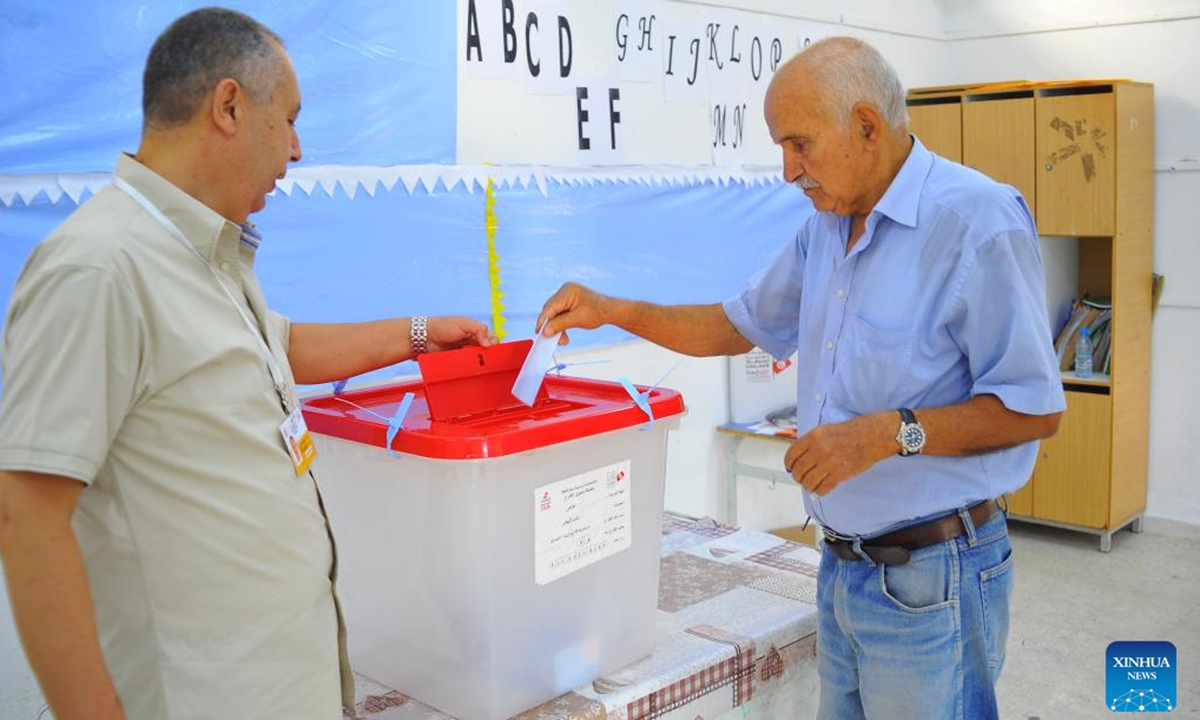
(490, 222)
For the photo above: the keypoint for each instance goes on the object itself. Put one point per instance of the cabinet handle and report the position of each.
(1049, 167)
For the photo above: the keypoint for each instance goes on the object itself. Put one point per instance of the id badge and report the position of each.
(298, 441)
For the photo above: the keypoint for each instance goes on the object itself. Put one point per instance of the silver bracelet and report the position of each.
(419, 335)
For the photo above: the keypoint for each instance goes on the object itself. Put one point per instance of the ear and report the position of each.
(867, 122)
(228, 105)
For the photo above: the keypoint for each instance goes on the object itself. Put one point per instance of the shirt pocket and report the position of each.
(874, 366)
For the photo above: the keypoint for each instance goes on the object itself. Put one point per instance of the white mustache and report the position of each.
(804, 182)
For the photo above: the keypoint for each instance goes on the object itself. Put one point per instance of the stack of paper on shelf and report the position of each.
(1095, 314)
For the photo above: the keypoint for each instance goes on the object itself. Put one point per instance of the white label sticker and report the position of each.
(758, 366)
(580, 520)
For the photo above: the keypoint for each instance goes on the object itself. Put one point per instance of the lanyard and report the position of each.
(272, 363)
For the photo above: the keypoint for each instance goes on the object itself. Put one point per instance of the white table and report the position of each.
(738, 434)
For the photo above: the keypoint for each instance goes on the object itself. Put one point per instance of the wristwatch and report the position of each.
(912, 434)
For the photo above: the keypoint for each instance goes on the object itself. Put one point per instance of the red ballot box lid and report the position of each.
(463, 408)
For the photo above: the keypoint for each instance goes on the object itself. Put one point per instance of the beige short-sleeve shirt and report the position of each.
(128, 368)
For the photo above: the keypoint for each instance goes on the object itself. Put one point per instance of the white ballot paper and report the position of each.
(539, 362)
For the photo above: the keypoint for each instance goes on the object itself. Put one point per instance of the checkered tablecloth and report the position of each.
(737, 626)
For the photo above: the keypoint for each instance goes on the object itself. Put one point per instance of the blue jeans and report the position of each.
(919, 641)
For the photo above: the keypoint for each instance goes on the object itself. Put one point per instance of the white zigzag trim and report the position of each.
(352, 179)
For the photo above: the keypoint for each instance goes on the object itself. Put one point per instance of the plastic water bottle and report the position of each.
(1083, 355)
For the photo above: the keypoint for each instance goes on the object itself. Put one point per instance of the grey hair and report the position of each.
(851, 72)
(199, 50)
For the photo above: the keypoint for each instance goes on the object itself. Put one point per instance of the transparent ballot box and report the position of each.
(494, 555)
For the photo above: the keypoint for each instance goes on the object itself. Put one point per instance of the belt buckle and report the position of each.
(843, 547)
(878, 554)
(838, 545)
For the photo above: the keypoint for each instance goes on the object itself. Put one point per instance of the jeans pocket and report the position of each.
(995, 587)
(924, 584)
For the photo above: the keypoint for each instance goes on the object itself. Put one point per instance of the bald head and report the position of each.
(837, 73)
(837, 113)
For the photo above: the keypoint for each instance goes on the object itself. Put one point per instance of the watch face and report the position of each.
(913, 437)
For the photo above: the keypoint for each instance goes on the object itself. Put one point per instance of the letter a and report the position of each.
(473, 32)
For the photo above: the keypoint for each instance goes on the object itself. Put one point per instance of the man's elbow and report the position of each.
(1047, 425)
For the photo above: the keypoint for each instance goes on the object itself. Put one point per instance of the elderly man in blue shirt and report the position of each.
(926, 377)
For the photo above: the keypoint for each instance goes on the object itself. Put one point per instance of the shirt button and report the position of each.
(841, 293)
(224, 266)
(820, 397)
(829, 345)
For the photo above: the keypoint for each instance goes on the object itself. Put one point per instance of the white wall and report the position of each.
(966, 18)
(1166, 54)
(913, 18)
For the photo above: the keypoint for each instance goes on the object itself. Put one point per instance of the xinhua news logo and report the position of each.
(1141, 676)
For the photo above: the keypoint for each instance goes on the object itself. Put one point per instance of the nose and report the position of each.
(297, 153)
(793, 165)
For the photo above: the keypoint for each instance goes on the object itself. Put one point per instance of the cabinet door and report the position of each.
(1020, 503)
(939, 127)
(997, 139)
(1071, 479)
(1076, 161)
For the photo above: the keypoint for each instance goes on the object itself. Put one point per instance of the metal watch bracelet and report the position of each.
(419, 335)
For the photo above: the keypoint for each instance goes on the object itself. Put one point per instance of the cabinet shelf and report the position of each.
(1069, 378)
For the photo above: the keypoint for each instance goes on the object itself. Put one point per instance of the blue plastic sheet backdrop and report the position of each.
(377, 79)
(379, 89)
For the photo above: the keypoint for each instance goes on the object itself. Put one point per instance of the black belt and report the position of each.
(894, 548)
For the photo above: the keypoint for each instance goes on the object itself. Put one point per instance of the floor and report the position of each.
(1071, 601)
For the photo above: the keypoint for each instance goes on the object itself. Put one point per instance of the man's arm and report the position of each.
(698, 330)
(51, 602)
(832, 454)
(324, 352)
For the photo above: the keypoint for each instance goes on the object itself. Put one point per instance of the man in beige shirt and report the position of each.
(165, 558)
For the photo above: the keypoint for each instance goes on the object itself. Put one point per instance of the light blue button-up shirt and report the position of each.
(941, 299)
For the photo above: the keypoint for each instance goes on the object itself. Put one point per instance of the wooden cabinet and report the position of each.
(1082, 155)
(1020, 503)
(998, 139)
(1076, 161)
(1071, 480)
(937, 120)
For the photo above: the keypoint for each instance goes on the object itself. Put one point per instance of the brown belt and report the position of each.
(893, 548)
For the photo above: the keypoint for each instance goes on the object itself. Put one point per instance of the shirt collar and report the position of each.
(251, 238)
(903, 196)
(210, 233)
